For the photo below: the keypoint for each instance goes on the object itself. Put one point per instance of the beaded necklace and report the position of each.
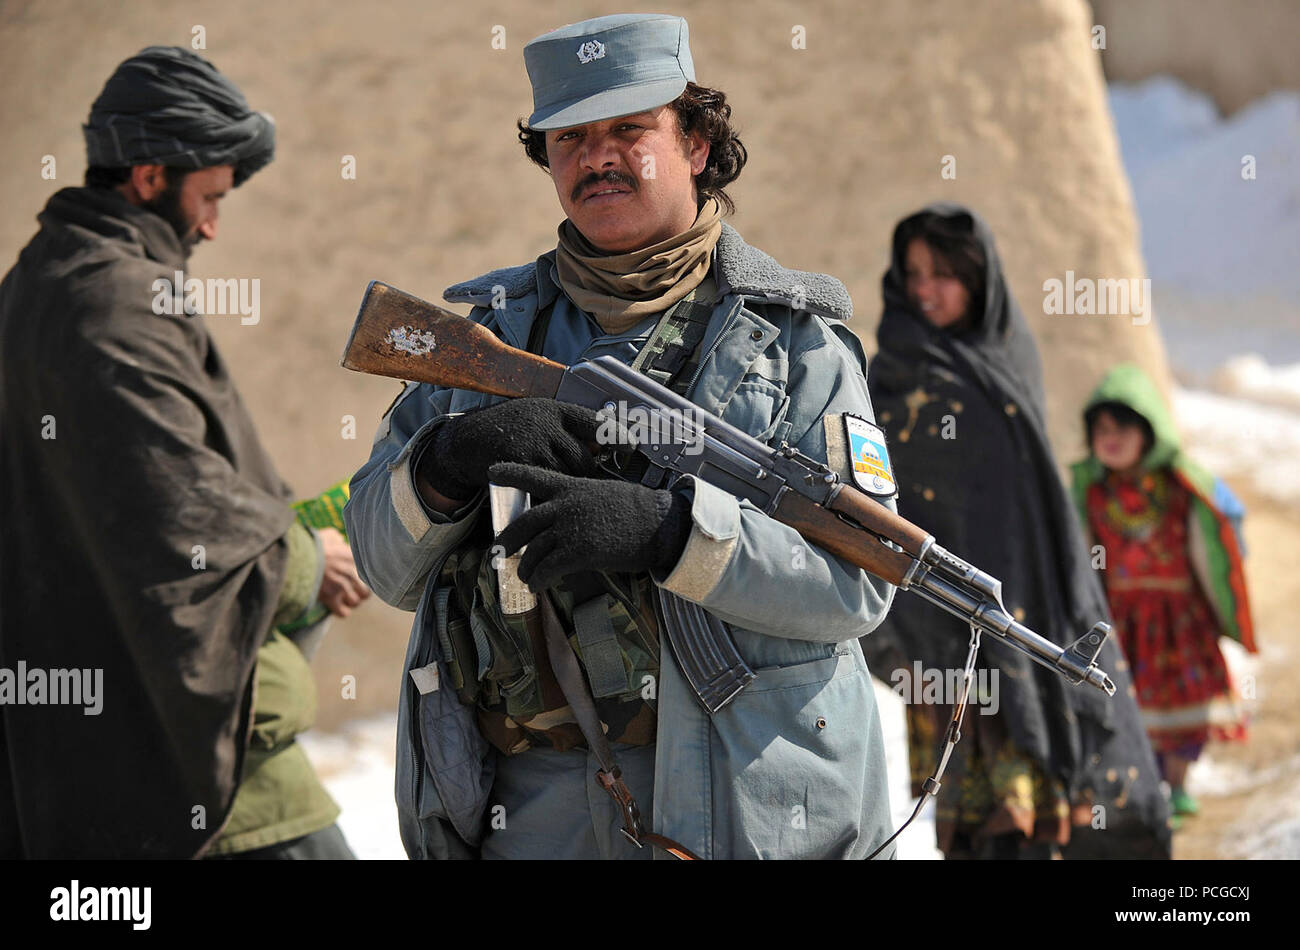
(1135, 506)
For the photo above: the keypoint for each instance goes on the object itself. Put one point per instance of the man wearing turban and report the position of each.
(151, 567)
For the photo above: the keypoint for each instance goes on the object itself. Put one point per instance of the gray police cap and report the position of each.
(610, 66)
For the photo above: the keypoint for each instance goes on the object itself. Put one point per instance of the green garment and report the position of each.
(302, 577)
(279, 796)
(1216, 553)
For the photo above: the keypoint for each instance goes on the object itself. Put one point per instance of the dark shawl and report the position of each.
(154, 453)
(992, 495)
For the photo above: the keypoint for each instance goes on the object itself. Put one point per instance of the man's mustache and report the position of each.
(610, 177)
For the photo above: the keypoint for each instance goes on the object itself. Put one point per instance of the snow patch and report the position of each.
(1220, 248)
(1277, 838)
(357, 766)
(917, 842)
(1205, 227)
(1249, 377)
(1240, 438)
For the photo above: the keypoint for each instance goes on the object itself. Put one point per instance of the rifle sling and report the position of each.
(567, 673)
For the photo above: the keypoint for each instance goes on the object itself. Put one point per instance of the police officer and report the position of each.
(494, 759)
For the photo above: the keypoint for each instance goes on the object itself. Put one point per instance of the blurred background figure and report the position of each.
(1173, 570)
(957, 386)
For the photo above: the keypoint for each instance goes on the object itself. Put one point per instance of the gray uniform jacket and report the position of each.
(794, 766)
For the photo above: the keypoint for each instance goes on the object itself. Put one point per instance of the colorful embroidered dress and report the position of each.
(1165, 624)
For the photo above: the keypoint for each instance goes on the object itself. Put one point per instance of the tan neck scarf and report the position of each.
(621, 290)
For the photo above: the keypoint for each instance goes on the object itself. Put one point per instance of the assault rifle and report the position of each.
(407, 338)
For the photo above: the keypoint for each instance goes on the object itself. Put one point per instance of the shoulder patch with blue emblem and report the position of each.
(870, 458)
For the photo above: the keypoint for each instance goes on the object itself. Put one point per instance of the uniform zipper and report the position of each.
(699, 367)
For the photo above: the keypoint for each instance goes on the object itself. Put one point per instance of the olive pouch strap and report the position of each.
(599, 646)
(675, 338)
(482, 645)
(442, 602)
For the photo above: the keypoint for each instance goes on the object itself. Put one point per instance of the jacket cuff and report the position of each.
(715, 534)
(416, 516)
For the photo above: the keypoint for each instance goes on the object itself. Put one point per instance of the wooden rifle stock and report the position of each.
(404, 337)
(408, 338)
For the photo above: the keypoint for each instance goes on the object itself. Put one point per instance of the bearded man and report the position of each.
(148, 540)
(493, 761)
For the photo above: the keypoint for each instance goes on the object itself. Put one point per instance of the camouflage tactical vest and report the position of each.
(498, 661)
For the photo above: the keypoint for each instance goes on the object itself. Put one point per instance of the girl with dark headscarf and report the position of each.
(1044, 768)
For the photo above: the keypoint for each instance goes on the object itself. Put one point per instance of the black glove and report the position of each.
(591, 524)
(543, 432)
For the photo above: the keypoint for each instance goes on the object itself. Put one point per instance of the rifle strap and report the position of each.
(673, 345)
(930, 787)
(541, 326)
(567, 673)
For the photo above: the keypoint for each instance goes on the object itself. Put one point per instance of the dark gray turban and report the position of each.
(167, 106)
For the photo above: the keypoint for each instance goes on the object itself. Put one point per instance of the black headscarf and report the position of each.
(997, 348)
(966, 418)
(168, 106)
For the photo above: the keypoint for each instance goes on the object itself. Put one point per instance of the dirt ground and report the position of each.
(1263, 772)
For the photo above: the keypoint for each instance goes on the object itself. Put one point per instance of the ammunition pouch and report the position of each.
(496, 663)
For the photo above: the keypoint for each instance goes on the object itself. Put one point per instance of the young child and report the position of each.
(1173, 570)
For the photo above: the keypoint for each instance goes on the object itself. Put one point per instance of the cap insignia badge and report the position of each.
(591, 50)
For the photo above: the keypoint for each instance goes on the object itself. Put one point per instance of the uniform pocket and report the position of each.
(444, 771)
(796, 758)
(796, 675)
(758, 407)
(453, 748)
